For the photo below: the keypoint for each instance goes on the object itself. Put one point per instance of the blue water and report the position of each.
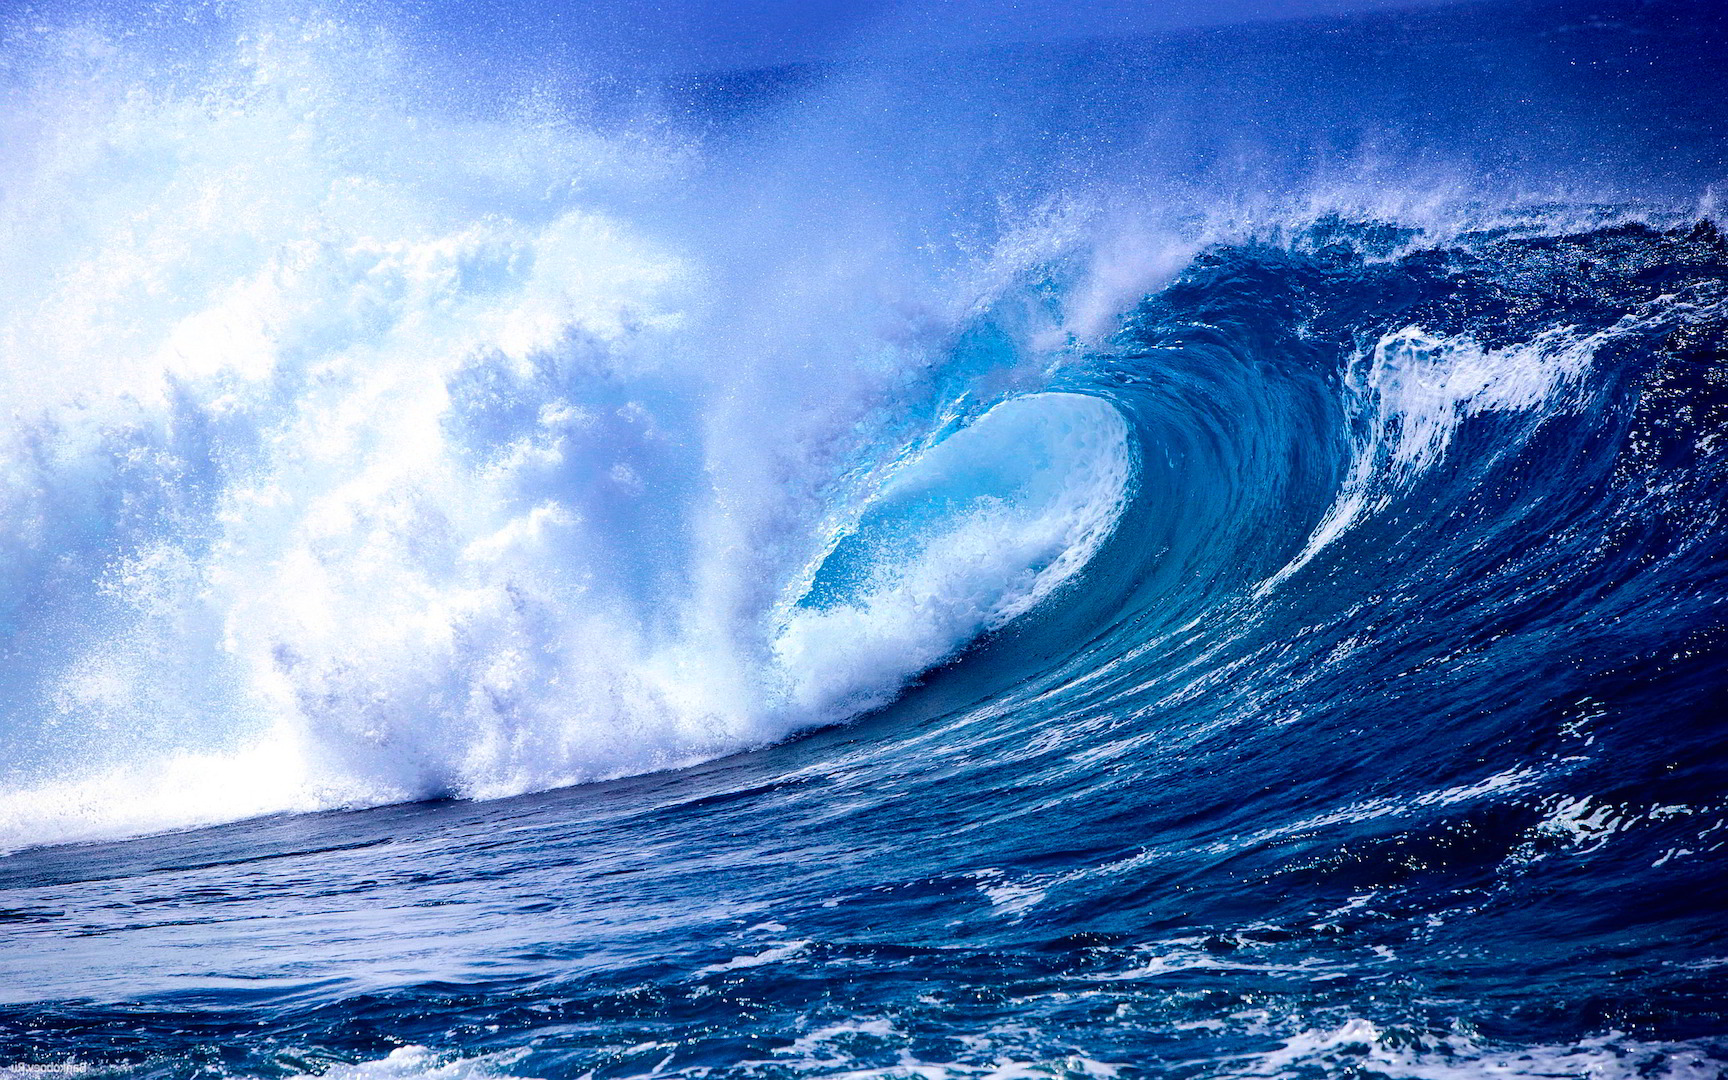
(1187, 556)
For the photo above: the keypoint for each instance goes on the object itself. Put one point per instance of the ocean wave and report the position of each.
(1194, 556)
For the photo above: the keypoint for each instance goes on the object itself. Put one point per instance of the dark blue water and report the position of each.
(1189, 557)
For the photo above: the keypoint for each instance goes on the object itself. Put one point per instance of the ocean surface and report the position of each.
(1187, 556)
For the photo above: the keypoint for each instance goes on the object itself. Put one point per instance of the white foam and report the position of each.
(822, 1052)
(421, 1063)
(1360, 1046)
(355, 452)
(1409, 396)
(282, 574)
(772, 955)
(1036, 485)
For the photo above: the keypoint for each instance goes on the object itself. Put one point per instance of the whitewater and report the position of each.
(1188, 555)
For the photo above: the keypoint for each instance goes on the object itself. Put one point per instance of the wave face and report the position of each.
(1185, 556)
